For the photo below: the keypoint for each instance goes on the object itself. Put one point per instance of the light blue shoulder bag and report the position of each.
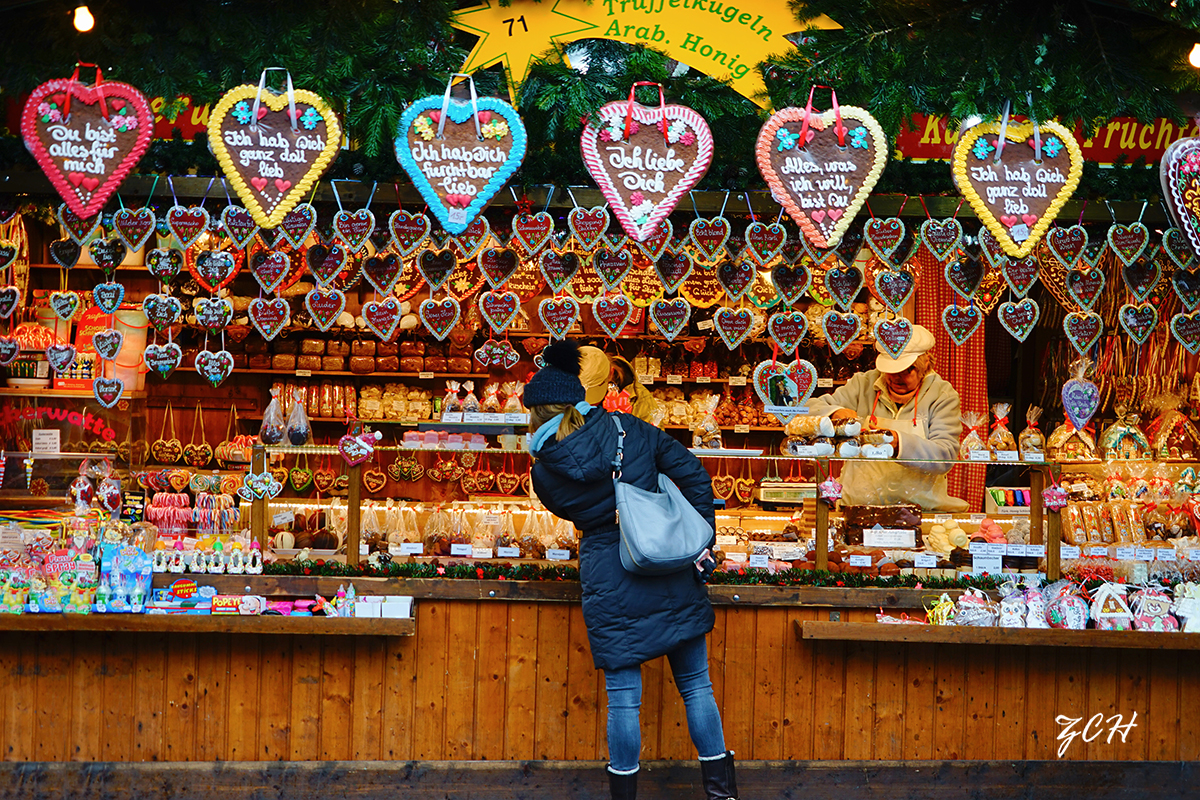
(661, 532)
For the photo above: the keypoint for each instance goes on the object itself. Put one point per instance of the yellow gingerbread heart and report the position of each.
(271, 159)
(1016, 195)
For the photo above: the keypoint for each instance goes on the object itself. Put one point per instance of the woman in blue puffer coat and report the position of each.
(630, 618)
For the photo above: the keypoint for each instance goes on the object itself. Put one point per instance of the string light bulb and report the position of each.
(1194, 56)
(84, 21)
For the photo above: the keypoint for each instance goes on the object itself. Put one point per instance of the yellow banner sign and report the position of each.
(721, 39)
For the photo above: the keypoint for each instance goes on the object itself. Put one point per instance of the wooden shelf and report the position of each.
(9, 391)
(1028, 637)
(200, 623)
(321, 374)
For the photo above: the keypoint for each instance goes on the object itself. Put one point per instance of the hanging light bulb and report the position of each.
(84, 21)
(1194, 56)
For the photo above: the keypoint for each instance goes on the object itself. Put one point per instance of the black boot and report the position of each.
(622, 787)
(719, 780)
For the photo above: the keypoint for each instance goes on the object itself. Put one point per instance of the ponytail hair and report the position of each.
(572, 420)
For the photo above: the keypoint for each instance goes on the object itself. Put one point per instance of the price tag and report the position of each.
(646, 380)
(425, 376)
(304, 373)
(1019, 232)
(411, 548)
(704, 379)
(1068, 553)
(1143, 554)
(726, 541)
(805, 450)
(758, 561)
(704, 325)
(1038, 550)
(824, 383)
(481, 552)
(47, 440)
(737, 380)
(461, 550)
(737, 558)
(992, 565)
(1035, 458)
(780, 410)
(889, 537)
(283, 518)
(491, 519)
(789, 554)
(1016, 550)
(1098, 551)
(1125, 553)
(674, 380)
(508, 552)
(978, 517)
(452, 416)
(1008, 455)
(977, 548)
(364, 549)
(860, 561)
(925, 561)
(558, 555)
(516, 419)
(741, 428)
(1166, 554)
(1193, 555)
(979, 455)
(939, 518)
(997, 549)
(475, 417)
(1078, 488)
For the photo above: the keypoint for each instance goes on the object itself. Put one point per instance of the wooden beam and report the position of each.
(1028, 637)
(207, 623)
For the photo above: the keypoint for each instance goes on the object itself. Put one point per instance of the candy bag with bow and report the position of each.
(1031, 440)
(1001, 437)
(274, 424)
(299, 429)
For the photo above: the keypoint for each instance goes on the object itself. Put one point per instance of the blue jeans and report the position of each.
(689, 665)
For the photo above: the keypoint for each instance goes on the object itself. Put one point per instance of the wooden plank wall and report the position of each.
(514, 680)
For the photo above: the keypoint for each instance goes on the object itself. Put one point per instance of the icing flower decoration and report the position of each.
(124, 121)
(982, 149)
(787, 140)
(641, 212)
(1191, 163)
(687, 139)
(496, 129)
(676, 131)
(49, 112)
(1052, 146)
(241, 112)
(858, 138)
(615, 132)
(423, 125)
(637, 198)
(310, 118)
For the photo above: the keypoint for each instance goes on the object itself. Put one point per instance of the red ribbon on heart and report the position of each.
(98, 88)
(838, 127)
(662, 105)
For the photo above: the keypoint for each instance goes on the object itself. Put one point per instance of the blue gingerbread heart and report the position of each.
(458, 175)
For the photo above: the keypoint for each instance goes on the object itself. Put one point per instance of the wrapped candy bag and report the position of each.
(1109, 610)
(82, 491)
(1115, 487)
(470, 403)
(491, 399)
(1068, 443)
(1001, 437)
(1035, 604)
(976, 424)
(1064, 607)
(450, 402)
(1031, 439)
(706, 432)
(512, 398)
(1124, 439)
(975, 609)
(1012, 606)
(1138, 486)
(274, 424)
(438, 530)
(299, 429)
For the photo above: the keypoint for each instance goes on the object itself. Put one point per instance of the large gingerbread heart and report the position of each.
(824, 181)
(644, 159)
(784, 388)
(272, 160)
(86, 138)
(559, 315)
(456, 173)
(671, 316)
(1017, 196)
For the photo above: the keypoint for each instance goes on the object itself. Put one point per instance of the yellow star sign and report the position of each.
(719, 38)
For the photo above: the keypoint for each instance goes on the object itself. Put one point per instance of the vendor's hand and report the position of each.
(844, 415)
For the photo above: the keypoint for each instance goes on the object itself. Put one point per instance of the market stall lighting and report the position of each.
(1194, 56)
(84, 21)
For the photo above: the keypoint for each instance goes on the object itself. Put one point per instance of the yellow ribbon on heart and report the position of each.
(275, 102)
(1016, 133)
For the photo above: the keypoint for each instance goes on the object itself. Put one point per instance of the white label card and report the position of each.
(979, 455)
(889, 537)
(304, 373)
(481, 552)
(283, 518)
(1098, 551)
(996, 548)
(726, 540)
(48, 440)
(461, 550)
(508, 552)
(1008, 455)
(978, 548)
(989, 564)
(1038, 550)
(737, 380)
(759, 561)
(1017, 550)
(558, 555)
(1166, 555)
(704, 379)
(860, 561)
(741, 428)
(824, 383)
(1035, 458)
(425, 376)
(1193, 555)
(1144, 554)
(1125, 553)
(452, 416)
(411, 548)
(674, 380)
(925, 561)
(704, 325)
(1068, 552)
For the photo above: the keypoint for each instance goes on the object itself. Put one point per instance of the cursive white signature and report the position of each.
(1069, 733)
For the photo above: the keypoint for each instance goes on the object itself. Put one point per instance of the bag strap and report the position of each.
(616, 464)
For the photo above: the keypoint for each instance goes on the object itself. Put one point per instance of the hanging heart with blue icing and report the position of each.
(108, 296)
(844, 284)
(613, 314)
(840, 329)
(455, 172)
(1083, 329)
(1019, 318)
(788, 329)
(1139, 321)
(894, 287)
(784, 388)
(733, 325)
(893, 335)
(671, 316)
(559, 315)
(961, 322)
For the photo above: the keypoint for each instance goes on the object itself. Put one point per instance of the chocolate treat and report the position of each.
(897, 516)
(362, 347)
(285, 361)
(333, 364)
(337, 348)
(362, 365)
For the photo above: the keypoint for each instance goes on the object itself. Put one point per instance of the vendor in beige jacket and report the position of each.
(906, 396)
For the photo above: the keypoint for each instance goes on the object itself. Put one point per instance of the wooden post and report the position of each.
(259, 509)
(1053, 539)
(353, 513)
(822, 524)
(1037, 484)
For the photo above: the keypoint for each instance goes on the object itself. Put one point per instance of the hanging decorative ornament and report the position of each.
(238, 225)
(325, 306)
(187, 224)
(164, 263)
(840, 329)
(269, 317)
(532, 232)
(1187, 288)
(803, 154)
(784, 388)
(1019, 318)
(353, 228)
(272, 146)
(613, 314)
(86, 138)
(134, 226)
(214, 367)
(108, 296)
(964, 275)
(382, 270)
(558, 268)
(894, 287)
(65, 252)
(652, 157)
(382, 317)
(1067, 244)
(214, 269)
(1085, 286)
(213, 314)
(61, 356)
(961, 322)
(843, 284)
(269, 268)
(1017, 176)
(436, 267)
(497, 354)
(588, 226)
(325, 262)
(671, 316)
(764, 242)
(708, 237)
(162, 310)
(1020, 274)
(63, 304)
(612, 266)
(941, 237)
(736, 277)
(1185, 327)
(1080, 396)
(733, 325)
(893, 335)
(558, 315)
(1128, 242)
(498, 264)
(1083, 329)
(499, 309)
(655, 243)
(439, 316)
(1142, 275)
(791, 281)
(473, 237)
(1175, 245)
(1139, 321)
(107, 254)
(163, 359)
(884, 237)
(409, 231)
(108, 391)
(673, 269)
(443, 135)
(787, 329)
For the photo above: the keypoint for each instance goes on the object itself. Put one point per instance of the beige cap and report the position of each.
(594, 369)
(922, 342)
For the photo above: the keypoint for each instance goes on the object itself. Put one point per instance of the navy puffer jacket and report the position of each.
(630, 618)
